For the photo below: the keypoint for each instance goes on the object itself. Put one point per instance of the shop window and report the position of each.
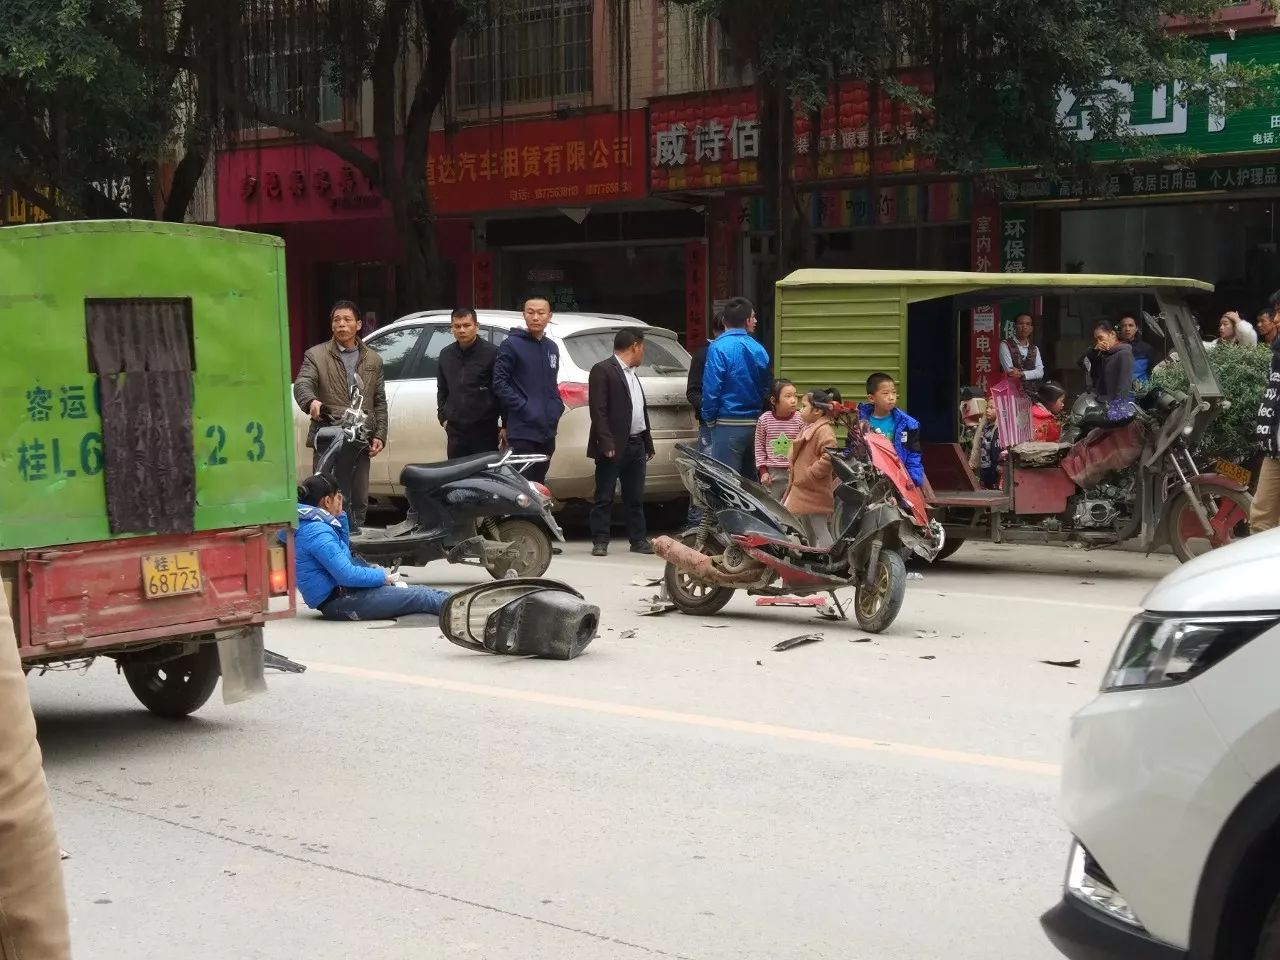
(732, 69)
(535, 50)
(288, 72)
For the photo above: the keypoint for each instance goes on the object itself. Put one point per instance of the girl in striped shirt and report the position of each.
(775, 430)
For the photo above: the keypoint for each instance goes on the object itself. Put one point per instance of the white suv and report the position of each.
(410, 350)
(1171, 784)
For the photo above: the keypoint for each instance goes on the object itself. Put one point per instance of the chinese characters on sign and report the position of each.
(293, 183)
(714, 140)
(538, 162)
(1013, 249)
(42, 456)
(985, 250)
(1166, 182)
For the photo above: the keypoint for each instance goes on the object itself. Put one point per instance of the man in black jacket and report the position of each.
(620, 442)
(1265, 513)
(465, 402)
(693, 392)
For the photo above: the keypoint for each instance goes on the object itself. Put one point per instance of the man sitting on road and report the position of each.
(333, 581)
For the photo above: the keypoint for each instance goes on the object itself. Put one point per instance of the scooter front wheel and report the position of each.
(691, 595)
(530, 552)
(876, 606)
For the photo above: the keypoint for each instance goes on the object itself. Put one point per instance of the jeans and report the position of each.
(473, 440)
(704, 446)
(538, 471)
(358, 495)
(735, 447)
(33, 908)
(383, 603)
(627, 466)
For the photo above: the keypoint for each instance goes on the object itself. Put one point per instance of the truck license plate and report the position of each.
(171, 574)
(1233, 471)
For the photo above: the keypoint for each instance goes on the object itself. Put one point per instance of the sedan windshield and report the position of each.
(663, 355)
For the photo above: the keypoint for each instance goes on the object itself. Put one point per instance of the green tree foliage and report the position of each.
(1242, 374)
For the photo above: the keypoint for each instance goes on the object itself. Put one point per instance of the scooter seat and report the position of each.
(429, 476)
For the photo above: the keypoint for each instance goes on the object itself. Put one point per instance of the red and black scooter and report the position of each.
(748, 541)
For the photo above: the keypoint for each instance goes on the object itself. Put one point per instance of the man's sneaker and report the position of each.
(644, 546)
(600, 550)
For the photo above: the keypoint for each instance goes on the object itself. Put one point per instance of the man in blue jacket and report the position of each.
(735, 382)
(526, 382)
(337, 584)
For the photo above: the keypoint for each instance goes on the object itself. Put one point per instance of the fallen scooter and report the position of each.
(749, 541)
(479, 510)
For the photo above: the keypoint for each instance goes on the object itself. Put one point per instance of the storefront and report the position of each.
(1211, 220)
(561, 210)
(340, 240)
(870, 200)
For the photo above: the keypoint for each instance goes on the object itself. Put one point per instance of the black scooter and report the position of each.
(479, 510)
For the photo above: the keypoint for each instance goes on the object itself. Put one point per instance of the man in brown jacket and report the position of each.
(323, 390)
(33, 908)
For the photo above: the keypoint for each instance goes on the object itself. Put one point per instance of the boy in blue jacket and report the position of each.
(334, 582)
(882, 413)
(735, 383)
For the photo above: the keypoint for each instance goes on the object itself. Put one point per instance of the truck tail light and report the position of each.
(277, 570)
(573, 394)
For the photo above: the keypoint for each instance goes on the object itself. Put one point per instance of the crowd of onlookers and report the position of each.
(768, 430)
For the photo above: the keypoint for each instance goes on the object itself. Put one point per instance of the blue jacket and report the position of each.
(906, 440)
(322, 549)
(735, 380)
(526, 382)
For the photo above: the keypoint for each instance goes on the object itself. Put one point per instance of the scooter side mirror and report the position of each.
(521, 617)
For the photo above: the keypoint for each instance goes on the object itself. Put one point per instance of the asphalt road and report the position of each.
(682, 792)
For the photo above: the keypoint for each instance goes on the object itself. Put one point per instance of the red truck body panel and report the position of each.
(88, 598)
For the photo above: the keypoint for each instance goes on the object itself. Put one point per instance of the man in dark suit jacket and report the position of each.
(620, 442)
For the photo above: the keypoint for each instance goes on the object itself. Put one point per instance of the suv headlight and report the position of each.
(1159, 650)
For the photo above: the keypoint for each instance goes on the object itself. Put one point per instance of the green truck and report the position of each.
(146, 463)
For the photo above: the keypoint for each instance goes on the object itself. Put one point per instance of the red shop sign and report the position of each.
(579, 161)
(291, 183)
(713, 140)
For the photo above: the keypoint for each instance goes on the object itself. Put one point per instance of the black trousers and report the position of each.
(473, 440)
(627, 468)
(538, 472)
(359, 505)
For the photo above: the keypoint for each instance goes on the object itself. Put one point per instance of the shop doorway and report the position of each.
(371, 285)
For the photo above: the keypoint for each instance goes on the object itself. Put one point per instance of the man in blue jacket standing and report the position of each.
(526, 382)
(735, 382)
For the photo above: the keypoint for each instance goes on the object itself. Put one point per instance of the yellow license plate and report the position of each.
(1233, 471)
(171, 574)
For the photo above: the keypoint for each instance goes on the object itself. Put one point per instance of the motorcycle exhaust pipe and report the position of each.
(698, 564)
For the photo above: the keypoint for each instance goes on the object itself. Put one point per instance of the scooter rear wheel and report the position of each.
(877, 606)
(691, 595)
(531, 554)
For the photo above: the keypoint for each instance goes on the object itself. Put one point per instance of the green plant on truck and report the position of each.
(146, 457)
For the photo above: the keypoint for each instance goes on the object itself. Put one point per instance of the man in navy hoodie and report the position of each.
(526, 382)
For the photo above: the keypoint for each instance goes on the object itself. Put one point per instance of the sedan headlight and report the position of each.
(1159, 651)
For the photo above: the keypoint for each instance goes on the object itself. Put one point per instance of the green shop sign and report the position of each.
(1201, 125)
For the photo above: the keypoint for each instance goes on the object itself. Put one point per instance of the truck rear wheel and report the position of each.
(176, 688)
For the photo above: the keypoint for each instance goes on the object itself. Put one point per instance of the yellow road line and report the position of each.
(704, 721)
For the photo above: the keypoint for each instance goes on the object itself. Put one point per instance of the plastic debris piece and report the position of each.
(715, 626)
(646, 581)
(626, 634)
(792, 642)
(929, 657)
(1062, 663)
(926, 634)
(862, 640)
(915, 576)
(276, 661)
